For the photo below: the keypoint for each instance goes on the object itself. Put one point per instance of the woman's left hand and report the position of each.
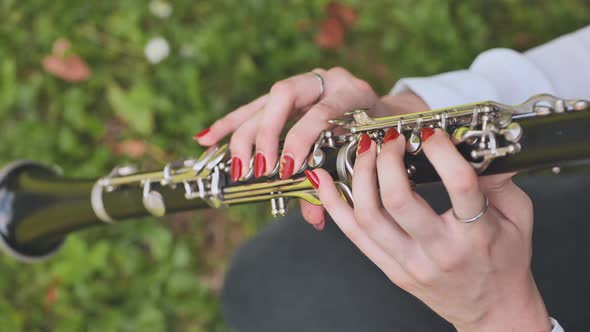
(475, 275)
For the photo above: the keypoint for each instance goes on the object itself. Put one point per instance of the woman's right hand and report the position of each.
(259, 124)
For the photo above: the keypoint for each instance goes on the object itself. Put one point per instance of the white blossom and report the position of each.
(160, 9)
(157, 49)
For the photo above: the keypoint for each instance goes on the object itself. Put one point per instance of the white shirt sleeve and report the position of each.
(556, 326)
(560, 67)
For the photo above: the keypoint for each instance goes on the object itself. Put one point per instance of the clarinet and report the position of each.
(39, 207)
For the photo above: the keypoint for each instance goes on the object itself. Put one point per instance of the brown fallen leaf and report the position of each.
(331, 33)
(51, 296)
(132, 148)
(332, 30)
(523, 40)
(70, 68)
(344, 13)
(136, 148)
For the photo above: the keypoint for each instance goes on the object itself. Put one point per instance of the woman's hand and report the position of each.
(476, 275)
(261, 122)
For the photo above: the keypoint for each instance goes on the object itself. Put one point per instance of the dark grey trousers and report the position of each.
(290, 277)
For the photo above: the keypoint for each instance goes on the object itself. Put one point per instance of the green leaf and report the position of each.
(7, 85)
(133, 107)
(181, 256)
(150, 319)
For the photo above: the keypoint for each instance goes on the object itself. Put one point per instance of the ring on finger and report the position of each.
(477, 217)
(322, 83)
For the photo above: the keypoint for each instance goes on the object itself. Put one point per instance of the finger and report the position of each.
(285, 97)
(229, 123)
(241, 145)
(457, 175)
(509, 200)
(369, 213)
(406, 207)
(313, 214)
(495, 182)
(343, 216)
(301, 137)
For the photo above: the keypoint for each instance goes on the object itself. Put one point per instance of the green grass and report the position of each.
(149, 275)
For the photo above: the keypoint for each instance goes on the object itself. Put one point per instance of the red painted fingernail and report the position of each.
(426, 133)
(202, 133)
(364, 144)
(259, 165)
(286, 167)
(313, 178)
(390, 135)
(236, 169)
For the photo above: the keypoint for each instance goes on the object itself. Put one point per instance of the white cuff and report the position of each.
(556, 326)
(448, 89)
(501, 75)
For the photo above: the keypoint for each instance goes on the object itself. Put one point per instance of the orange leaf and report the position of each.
(344, 13)
(51, 296)
(331, 34)
(70, 69)
(133, 148)
(523, 40)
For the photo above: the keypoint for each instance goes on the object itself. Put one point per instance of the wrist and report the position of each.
(402, 103)
(522, 310)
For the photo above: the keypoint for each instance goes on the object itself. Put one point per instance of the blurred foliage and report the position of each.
(165, 276)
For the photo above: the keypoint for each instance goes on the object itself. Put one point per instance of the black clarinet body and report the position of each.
(39, 207)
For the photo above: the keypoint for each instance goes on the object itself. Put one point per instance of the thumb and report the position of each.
(495, 182)
(313, 214)
(508, 198)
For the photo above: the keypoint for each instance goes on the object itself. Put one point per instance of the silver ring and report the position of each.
(477, 217)
(322, 83)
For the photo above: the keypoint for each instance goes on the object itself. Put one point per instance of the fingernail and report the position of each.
(286, 167)
(390, 135)
(236, 169)
(426, 133)
(259, 165)
(313, 178)
(202, 133)
(364, 144)
(320, 226)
